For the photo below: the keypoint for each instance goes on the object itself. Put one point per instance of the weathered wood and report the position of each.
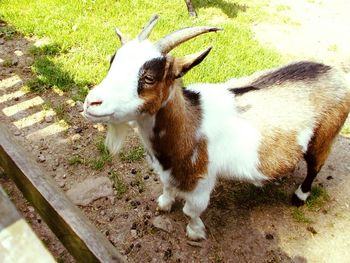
(78, 235)
(8, 214)
(17, 238)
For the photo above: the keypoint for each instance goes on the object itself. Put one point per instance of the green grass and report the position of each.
(104, 158)
(299, 216)
(7, 32)
(81, 37)
(60, 111)
(76, 160)
(134, 155)
(345, 131)
(119, 184)
(318, 198)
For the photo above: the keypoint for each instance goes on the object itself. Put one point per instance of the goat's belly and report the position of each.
(280, 160)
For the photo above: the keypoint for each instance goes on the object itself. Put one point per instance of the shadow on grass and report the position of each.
(46, 71)
(229, 8)
(49, 74)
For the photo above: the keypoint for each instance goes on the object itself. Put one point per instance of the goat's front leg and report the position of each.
(167, 198)
(196, 202)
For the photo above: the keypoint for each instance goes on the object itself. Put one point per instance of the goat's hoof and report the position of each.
(195, 233)
(296, 201)
(164, 204)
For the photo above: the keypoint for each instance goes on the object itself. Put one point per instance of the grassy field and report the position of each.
(81, 36)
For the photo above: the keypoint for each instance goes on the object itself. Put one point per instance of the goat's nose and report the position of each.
(94, 103)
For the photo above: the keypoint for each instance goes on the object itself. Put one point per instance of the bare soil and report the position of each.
(244, 223)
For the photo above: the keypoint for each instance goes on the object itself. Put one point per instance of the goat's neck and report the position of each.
(172, 129)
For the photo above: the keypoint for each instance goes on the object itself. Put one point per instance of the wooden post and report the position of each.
(77, 234)
(17, 238)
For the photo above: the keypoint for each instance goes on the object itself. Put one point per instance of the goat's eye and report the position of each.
(149, 79)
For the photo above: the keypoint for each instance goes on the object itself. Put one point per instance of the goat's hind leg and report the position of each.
(315, 158)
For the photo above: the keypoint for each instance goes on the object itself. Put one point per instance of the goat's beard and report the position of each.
(115, 137)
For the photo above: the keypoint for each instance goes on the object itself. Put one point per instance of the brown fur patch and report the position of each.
(154, 95)
(332, 121)
(178, 122)
(279, 153)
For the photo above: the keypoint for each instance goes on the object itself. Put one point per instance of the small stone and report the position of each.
(269, 236)
(99, 127)
(61, 184)
(2, 41)
(75, 28)
(163, 223)
(103, 213)
(41, 158)
(311, 229)
(31, 209)
(17, 133)
(329, 177)
(133, 171)
(76, 137)
(78, 130)
(194, 243)
(48, 118)
(79, 105)
(133, 233)
(146, 177)
(106, 232)
(16, 99)
(18, 53)
(91, 189)
(64, 176)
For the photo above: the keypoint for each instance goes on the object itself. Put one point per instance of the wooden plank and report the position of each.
(77, 234)
(8, 214)
(17, 238)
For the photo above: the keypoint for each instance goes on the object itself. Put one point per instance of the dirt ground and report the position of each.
(244, 224)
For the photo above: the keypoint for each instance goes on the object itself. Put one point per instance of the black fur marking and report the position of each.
(152, 69)
(241, 90)
(303, 70)
(191, 96)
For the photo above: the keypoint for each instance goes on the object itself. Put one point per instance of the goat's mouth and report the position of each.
(97, 117)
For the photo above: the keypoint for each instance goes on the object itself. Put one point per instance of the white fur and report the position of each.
(233, 142)
(118, 90)
(301, 195)
(116, 134)
(304, 138)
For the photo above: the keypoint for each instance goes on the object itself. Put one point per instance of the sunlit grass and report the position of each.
(81, 37)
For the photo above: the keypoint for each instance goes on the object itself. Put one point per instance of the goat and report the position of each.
(254, 128)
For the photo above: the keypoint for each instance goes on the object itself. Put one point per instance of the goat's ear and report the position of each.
(184, 64)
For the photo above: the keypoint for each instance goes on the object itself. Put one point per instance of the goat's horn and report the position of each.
(148, 28)
(174, 39)
(119, 34)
